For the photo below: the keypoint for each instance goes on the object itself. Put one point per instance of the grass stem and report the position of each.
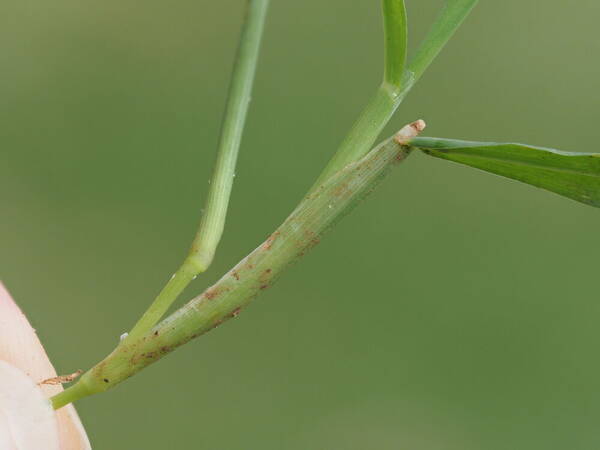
(448, 20)
(396, 41)
(396, 84)
(213, 220)
(212, 223)
(350, 175)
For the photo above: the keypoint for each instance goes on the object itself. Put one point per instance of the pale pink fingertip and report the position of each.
(21, 348)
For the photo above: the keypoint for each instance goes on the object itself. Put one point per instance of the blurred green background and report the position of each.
(452, 310)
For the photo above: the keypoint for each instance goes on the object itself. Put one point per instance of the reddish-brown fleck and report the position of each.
(269, 242)
(313, 242)
(211, 294)
(265, 276)
(400, 156)
(341, 191)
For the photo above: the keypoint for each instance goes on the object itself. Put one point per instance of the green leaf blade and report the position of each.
(572, 175)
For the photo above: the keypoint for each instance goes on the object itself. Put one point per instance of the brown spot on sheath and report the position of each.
(156, 333)
(269, 242)
(313, 242)
(235, 275)
(341, 191)
(236, 312)
(165, 349)
(210, 294)
(106, 380)
(265, 276)
(264, 286)
(310, 240)
(400, 156)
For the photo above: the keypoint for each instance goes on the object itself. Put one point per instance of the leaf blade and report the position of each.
(572, 175)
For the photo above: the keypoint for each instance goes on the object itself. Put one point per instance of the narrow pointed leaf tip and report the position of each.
(572, 175)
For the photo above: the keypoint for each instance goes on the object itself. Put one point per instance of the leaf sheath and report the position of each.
(300, 232)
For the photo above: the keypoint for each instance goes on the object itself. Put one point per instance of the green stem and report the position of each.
(69, 395)
(213, 220)
(396, 41)
(397, 80)
(301, 231)
(450, 18)
(365, 130)
(175, 286)
(345, 180)
(396, 84)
